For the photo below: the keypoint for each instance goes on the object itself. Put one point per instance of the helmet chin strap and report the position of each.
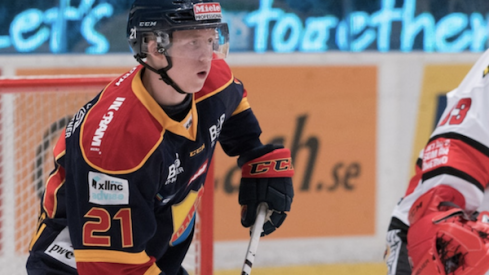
(162, 72)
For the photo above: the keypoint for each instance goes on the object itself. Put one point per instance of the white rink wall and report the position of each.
(400, 77)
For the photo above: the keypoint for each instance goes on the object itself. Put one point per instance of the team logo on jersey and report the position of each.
(61, 249)
(174, 170)
(184, 216)
(107, 190)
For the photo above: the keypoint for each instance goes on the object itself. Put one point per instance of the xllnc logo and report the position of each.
(107, 190)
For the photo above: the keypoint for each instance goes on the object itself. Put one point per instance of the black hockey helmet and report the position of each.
(158, 19)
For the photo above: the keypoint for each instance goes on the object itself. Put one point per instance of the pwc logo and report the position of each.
(206, 11)
(61, 249)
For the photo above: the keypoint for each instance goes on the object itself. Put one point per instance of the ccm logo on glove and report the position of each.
(279, 166)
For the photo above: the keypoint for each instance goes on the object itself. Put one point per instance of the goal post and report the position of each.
(33, 111)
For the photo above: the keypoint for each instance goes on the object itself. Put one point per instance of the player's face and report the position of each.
(191, 53)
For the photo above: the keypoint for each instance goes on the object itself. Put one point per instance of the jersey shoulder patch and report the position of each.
(119, 134)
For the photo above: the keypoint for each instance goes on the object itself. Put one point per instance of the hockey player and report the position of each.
(436, 228)
(131, 164)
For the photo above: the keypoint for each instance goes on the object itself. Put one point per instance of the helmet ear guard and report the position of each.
(449, 242)
(162, 41)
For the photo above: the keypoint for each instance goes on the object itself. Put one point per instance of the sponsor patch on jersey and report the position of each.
(215, 130)
(486, 71)
(61, 249)
(76, 120)
(107, 190)
(174, 170)
(436, 154)
(104, 123)
(206, 11)
(198, 150)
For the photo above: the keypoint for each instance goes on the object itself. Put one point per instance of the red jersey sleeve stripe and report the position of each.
(56, 179)
(60, 147)
(457, 157)
(53, 184)
(471, 142)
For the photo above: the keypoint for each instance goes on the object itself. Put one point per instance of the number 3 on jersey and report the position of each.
(458, 113)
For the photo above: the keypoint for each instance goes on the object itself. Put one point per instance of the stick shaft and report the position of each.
(256, 231)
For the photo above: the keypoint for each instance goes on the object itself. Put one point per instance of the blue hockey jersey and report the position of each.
(128, 178)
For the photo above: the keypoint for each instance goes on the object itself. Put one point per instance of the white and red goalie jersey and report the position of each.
(453, 167)
(457, 153)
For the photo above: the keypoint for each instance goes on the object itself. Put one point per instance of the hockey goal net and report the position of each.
(33, 111)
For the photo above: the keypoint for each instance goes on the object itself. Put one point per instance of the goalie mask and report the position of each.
(449, 243)
(158, 20)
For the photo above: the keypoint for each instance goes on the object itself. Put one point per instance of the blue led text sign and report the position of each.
(86, 28)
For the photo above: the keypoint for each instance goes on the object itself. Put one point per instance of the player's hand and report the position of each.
(266, 177)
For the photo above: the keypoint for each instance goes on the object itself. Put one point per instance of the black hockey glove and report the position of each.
(266, 177)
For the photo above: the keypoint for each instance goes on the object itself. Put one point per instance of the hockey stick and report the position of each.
(256, 231)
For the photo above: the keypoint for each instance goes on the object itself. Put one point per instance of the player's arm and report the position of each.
(266, 169)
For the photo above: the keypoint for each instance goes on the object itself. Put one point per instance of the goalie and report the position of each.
(131, 164)
(437, 227)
